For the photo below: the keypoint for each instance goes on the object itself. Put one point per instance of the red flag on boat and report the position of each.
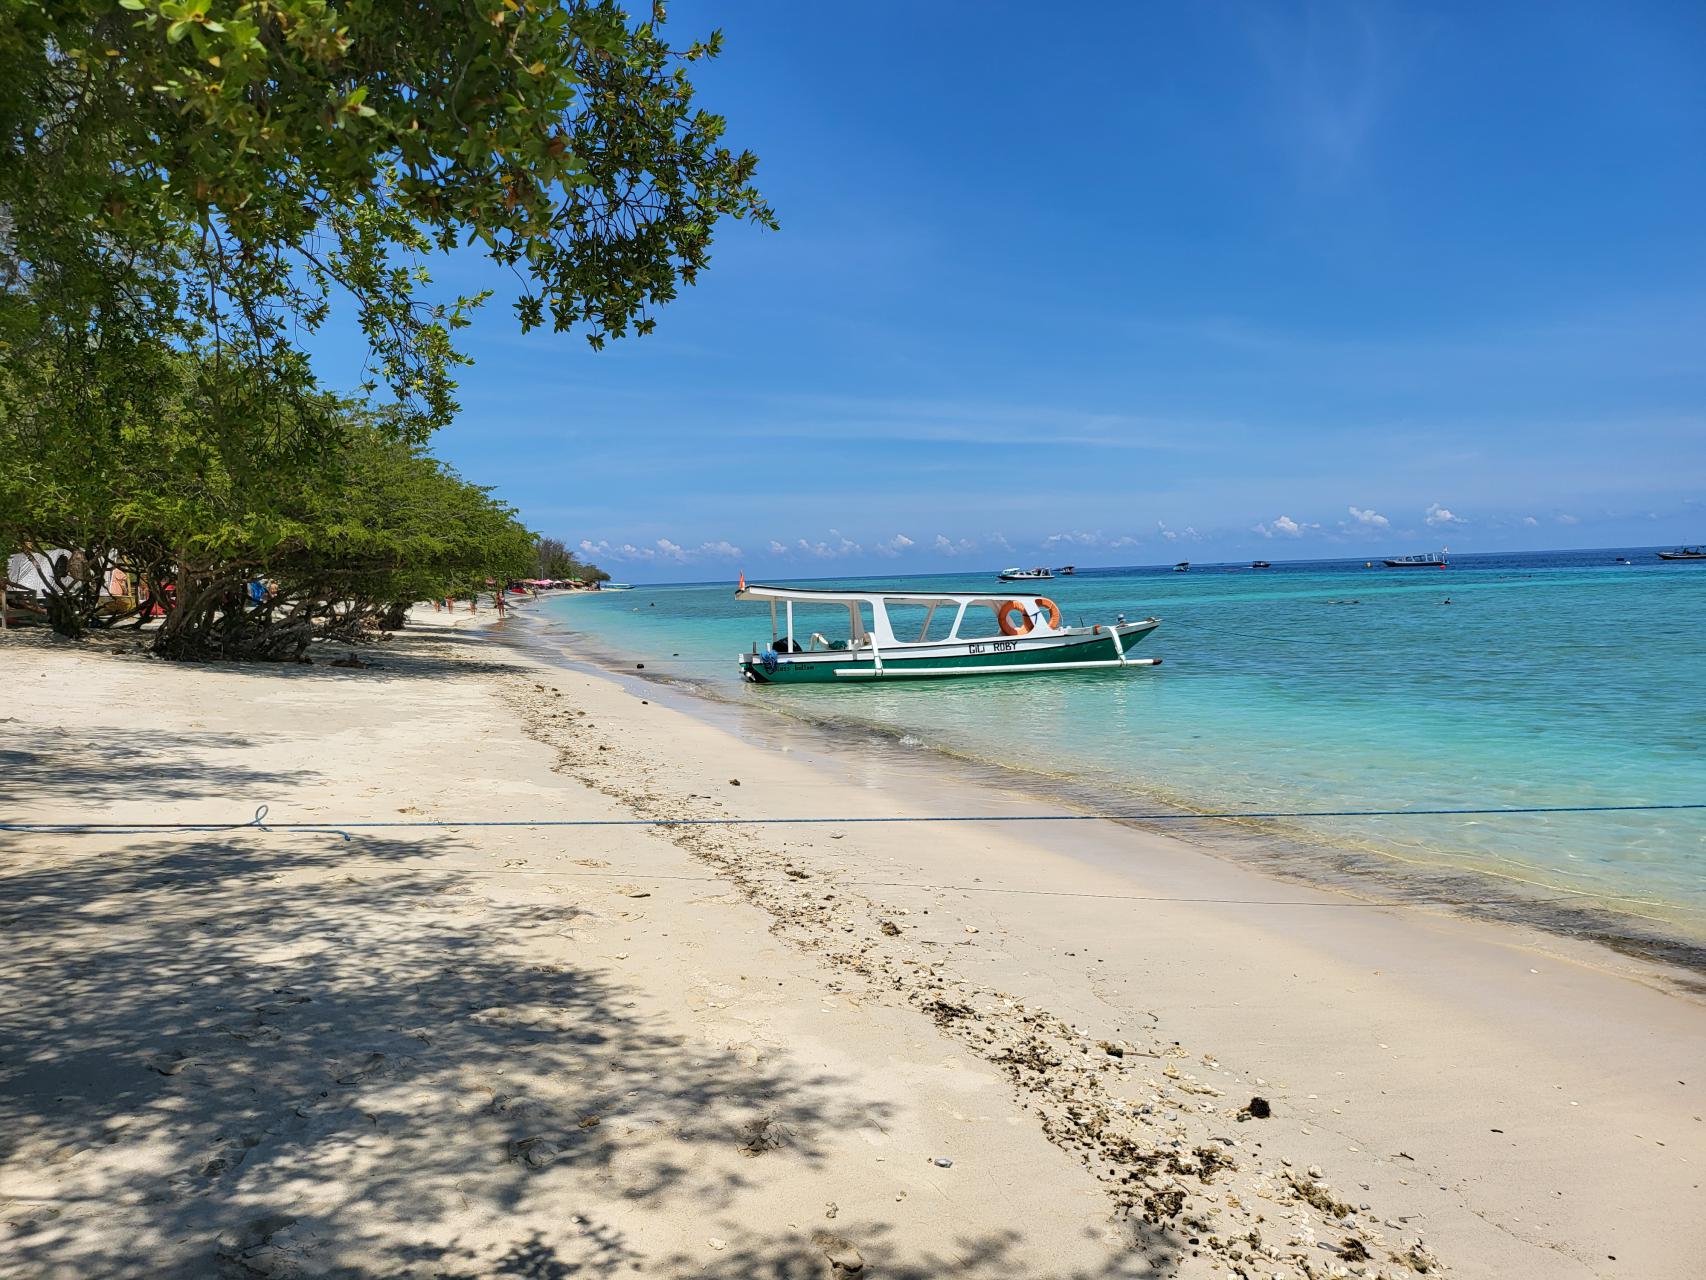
(742, 586)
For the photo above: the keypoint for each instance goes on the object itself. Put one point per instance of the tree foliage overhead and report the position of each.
(188, 187)
(230, 167)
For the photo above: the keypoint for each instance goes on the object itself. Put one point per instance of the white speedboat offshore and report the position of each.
(828, 636)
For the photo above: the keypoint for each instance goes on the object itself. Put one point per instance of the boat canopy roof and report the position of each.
(814, 595)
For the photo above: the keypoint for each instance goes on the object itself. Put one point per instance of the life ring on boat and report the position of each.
(1005, 615)
(1043, 602)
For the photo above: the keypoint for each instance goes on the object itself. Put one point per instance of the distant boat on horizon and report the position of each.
(1426, 560)
(1260, 564)
(1684, 553)
(1184, 566)
(1039, 574)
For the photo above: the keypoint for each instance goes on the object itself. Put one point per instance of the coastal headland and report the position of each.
(696, 1037)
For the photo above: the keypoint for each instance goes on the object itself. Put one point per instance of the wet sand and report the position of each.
(749, 1049)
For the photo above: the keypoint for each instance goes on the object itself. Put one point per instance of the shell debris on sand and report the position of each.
(1165, 1161)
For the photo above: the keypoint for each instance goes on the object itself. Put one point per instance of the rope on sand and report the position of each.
(259, 823)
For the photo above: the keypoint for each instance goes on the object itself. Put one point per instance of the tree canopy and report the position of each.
(188, 188)
(377, 523)
(553, 559)
(231, 167)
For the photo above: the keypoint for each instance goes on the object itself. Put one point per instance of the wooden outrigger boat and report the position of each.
(945, 634)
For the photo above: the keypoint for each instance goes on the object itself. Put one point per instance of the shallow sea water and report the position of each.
(1548, 679)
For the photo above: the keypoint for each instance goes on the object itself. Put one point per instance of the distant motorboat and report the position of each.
(615, 586)
(1427, 560)
(1260, 564)
(1621, 560)
(1066, 570)
(1184, 566)
(1038, 574)
(1684, 553)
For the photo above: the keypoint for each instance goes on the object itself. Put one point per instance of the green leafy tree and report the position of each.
(553, 559)
(231, 167)
(374, 524)
(187, 187)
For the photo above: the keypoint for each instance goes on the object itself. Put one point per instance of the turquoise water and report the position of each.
(1548, 679)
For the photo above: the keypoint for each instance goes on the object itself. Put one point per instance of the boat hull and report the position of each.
(1016, 656)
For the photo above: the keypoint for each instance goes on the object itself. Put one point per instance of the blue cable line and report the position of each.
(258, 822)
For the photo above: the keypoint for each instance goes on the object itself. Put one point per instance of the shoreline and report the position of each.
(742, 1047)
(1297, 856)
(1441, 962)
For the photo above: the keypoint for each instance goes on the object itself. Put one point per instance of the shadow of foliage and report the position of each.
(98, 769)
(225, 1056)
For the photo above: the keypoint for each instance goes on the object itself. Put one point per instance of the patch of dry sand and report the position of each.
(742, 1050)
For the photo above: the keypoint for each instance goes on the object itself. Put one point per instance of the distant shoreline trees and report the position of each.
(553, 559)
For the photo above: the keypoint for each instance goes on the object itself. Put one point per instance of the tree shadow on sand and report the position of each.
(214, 1057)
(291, 1056)
(96, 769)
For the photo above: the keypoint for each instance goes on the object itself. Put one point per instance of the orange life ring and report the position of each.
(1004, 615)
(1043, 602)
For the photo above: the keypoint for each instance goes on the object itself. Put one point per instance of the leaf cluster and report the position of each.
(232, 166)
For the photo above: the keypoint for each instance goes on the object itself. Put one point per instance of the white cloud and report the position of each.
(948, 547)
(1371, 518)
(1283, 526)
(777, 549)
(1568, 519)
(1073, 539)
(893, 546)
(841, 546)
(1438, 516)
(1530, 521)
(1126, 541)
(662, 549)
(1174, 535)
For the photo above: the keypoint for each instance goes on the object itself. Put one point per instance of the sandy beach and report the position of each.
(737, 1049)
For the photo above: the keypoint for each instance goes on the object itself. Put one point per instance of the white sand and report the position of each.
(741, 1051)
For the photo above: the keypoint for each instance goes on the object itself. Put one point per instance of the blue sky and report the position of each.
(1134, 283)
